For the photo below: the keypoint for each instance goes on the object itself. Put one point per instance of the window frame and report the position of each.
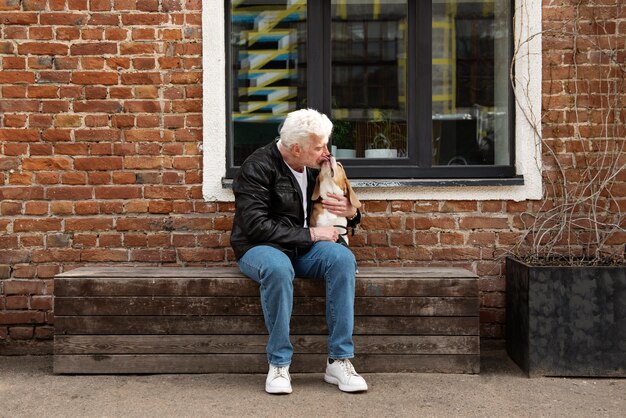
(418, 163)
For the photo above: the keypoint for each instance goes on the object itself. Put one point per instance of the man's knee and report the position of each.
(278, 273)
(341, 256)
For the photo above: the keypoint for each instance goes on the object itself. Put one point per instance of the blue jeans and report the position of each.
(275, 272)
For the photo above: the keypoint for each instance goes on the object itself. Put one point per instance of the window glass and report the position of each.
(415, 89)
(470, 82)
(268, 42)
(368, 72)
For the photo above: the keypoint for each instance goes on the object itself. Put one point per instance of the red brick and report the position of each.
(10, 208)
(21, 178)
(424, 238)
(158, 240)
(24, 271)
(74, 177)
(110, 207)
(85, 240)
(41, 303)
(452, 238)
(481, 238)
(47, 271)
(478, 222)
(456, 253)
(46, 163)
(69, 192)
(42, 48)
(407, 253)
(143, 163)
(61, 207)
(42, 224)
(166, 192)
(14, 121)
(200, 255)
(142, 135)
(56, 255)
(17, 302)
(36, 208)
(88, 224)
(47, 177)
(118, 192)
(459, 206)
(8, 242)
(493, 299)
(21, 333)
(110, 240)
(104, 255)
(198, 224)
(44, 333)
(40, 149)
(98, 163)
(21, 135)
(21, 317)
(160, 206)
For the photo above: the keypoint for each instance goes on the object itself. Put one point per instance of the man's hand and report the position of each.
(339, 205)
(324, 233)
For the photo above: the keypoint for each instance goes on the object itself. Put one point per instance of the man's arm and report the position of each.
(341, 206)
(253, 193)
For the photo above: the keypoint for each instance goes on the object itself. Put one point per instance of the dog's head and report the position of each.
(332, 170)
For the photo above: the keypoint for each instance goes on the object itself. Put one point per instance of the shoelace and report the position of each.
(281, 372)
(348, 367)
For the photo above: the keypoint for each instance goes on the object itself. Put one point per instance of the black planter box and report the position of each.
(566, 321)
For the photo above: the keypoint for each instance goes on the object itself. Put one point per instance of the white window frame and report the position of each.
(527, 47)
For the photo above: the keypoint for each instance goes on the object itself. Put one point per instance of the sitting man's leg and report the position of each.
(336, 264)
(273, 270)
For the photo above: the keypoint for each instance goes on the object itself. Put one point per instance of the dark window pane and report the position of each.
(470, 85)
(369, 40)
(268, 50)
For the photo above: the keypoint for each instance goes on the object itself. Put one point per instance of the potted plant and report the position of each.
(342, 139)
(387, 133)
(566, 274)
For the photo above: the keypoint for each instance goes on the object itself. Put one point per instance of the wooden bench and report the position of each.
(209, 320)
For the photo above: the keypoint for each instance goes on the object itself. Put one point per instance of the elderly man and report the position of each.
(273, 244)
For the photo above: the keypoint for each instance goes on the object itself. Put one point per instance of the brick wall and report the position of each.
(583, 115)
(100, 128)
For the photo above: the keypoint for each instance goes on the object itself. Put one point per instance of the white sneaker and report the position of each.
(278, 380)
(342, 373)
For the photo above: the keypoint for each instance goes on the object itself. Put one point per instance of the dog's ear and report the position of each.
(354, 201)
(316, 190)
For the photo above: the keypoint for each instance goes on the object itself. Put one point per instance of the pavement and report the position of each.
(29, 389)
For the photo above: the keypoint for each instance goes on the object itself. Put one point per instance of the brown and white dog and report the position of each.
(332, 179)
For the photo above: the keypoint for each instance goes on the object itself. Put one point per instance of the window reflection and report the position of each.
(470, 64)
(268, 54)
(368, 78)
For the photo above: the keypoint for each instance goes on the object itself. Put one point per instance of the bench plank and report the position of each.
(161, 305)
(257, 363)
(163, 325)
(216, 272)
(251, 344)
(225, 286)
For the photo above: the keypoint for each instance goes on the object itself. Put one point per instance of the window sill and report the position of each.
(404, 183)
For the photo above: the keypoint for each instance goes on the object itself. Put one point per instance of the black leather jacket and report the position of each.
(268, 205)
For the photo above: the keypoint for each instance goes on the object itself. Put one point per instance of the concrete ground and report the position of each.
(29, 389)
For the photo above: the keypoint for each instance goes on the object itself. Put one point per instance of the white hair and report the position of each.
(301, 124)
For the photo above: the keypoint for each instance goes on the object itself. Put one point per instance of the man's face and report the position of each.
(316, 153)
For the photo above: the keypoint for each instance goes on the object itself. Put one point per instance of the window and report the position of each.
(416, 89)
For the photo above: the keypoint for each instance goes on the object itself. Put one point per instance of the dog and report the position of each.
(332, 179)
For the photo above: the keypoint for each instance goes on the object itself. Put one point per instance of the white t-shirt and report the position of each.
(302, 179)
